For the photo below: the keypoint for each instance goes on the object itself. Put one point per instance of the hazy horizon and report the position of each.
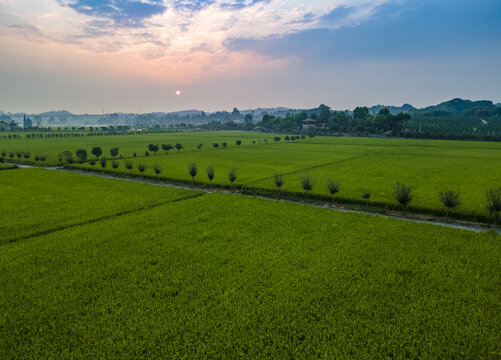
(133, 55)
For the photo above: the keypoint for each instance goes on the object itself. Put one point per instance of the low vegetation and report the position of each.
(233, 277)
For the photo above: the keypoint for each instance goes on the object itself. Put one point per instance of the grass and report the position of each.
(7, 166)
(225, 276)
(372, 164)
(35, 201)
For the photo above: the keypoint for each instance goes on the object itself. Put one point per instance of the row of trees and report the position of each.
(402, 193)
(20, 154)
(81, 155)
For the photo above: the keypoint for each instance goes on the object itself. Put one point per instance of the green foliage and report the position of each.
(115, 164)
(141, 166)
(157, 168)
(102, 161)
(153, 148)
(192, 170)
(114, 151)
(278, 180)
(167, 147)
(450, 199)
(307, 182)
(81, 155)
(211, 172)
(239, 142)
(334, 186)
(67, 156)
(403, 194)
(179, 147)
(216, 145)
(232, 175)
(493, 203)
(97, 151)
(129, 164)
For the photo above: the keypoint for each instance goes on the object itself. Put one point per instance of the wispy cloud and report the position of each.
(189, 34)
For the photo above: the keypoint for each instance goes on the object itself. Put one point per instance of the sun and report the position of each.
(178, 92)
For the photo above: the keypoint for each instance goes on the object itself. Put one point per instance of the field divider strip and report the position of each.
(313, 167)
(104, 218)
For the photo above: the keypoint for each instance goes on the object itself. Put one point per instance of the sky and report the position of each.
(90, 56)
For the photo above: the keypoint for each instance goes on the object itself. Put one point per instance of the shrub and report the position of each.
(115, 164)
(216, 145)
(114, 151)
(11, 154)
(167, 147)
(27, 154)
(153, 148)
(239, 142)
(224, 144)
(403, 195)
(199, 146)
(493, 203)
(147, 153)
(450, 199)
(193, 170)
(211, 172)
(141, 167)
(92, 162)
(333, 186)
(134, 154)
(307, 184)
(366, 195)
(279, 181)
(253, 141)
(179, 147)
(81, 155)
(232, 175)
(19, 154)
(102, 161)
(157, 168)
(67, 155)
(129, 165)
(276, 138)
(97, 151)
(287, 138)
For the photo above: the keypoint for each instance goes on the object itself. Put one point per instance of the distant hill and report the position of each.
(394, 110)
(185, 113)
(56, 113)
(459, 107)
(452, 108)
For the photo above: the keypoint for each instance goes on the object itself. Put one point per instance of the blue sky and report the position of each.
(130, 55)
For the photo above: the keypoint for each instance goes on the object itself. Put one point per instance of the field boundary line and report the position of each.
(360, 156)
(104, 218)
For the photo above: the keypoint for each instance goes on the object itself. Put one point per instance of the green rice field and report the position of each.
(172, 273)
(360, 164)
